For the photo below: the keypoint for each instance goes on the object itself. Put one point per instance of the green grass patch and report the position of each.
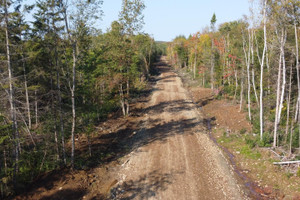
(224, 139)
(244, 144)
(249, 153)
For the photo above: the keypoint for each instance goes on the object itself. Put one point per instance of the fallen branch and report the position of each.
(275, 153)
(286, 162)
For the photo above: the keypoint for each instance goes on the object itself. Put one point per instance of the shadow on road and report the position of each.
(66, 194)
(112, 146)
(147, 186)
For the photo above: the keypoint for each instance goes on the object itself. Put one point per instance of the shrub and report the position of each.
(243, 131)
(298, 172)
(251, 142)
(266, 141)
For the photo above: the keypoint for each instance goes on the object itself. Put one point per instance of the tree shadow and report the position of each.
(163, 79)
(66, 194)
(205, 101)
(178, 105)
(117, 144)
(112, 146)
(145, 187)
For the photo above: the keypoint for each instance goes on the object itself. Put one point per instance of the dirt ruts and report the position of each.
(174, 158)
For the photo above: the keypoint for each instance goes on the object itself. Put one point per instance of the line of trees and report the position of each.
(60, 76)
(254, 60)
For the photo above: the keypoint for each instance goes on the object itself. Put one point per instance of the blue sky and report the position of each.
(166, 19)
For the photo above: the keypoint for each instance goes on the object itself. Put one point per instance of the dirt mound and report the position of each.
(227, 114)
(109, 144)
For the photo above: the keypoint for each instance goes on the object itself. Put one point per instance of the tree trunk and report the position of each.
(281, 93)
(73, 105)
(277, 98)
(36, 108)
(26, 93)
(149, 57)
(122, 99)
(72, 89)
(195, 62)
(11, 97)
(146, 66)
(61, 118)
(54, 113)
(127, 98)
(292, 130)
(247, 60)
(242, 91)
(254, 87)
(5, 161)
(288, 106)
(90, 145)
(212, 65)
(236, 83)
(297, 118)
(261, 106)
(61, 123)
(291, 137)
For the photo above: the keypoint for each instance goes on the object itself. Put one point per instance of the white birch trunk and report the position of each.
(26, 93)
(236, 83)
(36, 108)
(277, 97)
(254, 87)
(298, 78)
(72, 89)
(195, 62)
(242, 90)
(279, 104)
(288, 106)
(73, 106)
(261, 115)
(212, 65)
(11, 96)
(122, 100)
(247, 61)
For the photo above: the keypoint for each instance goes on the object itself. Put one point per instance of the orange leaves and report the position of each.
(201, 69)
(220, 44)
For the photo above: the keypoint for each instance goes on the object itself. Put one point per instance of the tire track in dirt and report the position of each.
(174, 158)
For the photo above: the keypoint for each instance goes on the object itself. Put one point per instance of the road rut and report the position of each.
(174, 158)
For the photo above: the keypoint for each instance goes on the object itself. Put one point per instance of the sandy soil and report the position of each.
(226, 114)
(174, 158)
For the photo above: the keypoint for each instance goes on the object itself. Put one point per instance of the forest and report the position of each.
(61, 76)
(255, 62)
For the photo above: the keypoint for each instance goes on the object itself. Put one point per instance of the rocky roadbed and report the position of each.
(174, 158)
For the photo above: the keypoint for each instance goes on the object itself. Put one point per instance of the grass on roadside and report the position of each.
(257, 163)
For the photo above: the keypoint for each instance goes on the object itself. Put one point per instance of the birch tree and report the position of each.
(280, 13)
(261, 108)
(85, 12)
(11, 96)
(212, 25)
(132, 20)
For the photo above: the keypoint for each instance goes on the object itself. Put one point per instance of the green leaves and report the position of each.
(131, 17)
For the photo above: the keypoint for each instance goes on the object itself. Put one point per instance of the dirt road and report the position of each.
(174, 158)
